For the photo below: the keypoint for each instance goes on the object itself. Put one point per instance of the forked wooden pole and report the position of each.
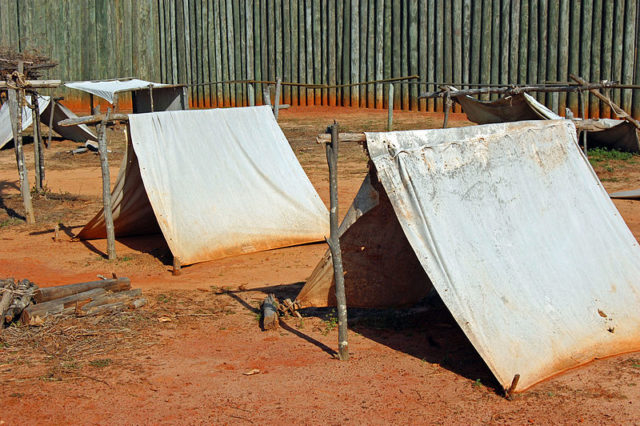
(15, 110)
(334, 244)
(106, 186)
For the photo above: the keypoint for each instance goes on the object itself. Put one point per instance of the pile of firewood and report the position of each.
(32, 305)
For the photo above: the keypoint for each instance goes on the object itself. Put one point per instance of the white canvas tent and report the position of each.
(107, 89)
(217, 183)
(512, 227)
(79, 133)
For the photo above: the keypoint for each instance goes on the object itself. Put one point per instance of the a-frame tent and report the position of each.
(216, 183)
(511, 226)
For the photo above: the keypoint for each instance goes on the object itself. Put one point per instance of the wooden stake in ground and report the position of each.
(276, 101)
(106, 186)
(390, 107)
(15, 110)
(38, 148)
(334, 244)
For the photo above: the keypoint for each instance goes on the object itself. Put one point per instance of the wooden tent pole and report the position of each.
(15, 110)
(38, 147)
(447, 108)
(106, 186)
(334, 244)
(276, 100)
(390, 108)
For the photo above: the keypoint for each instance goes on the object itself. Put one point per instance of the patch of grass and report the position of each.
(477, 384)
(100, 363)
(126, 258)
(331, 322)
(163, 298)
(602, 154)
(550, 393)
(71, 365)
(10, 222)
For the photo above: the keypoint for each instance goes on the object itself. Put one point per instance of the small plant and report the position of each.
(477, 384)
(163, 298)
(331, 322)
(100, 363)
(10, 222)
(550, 393)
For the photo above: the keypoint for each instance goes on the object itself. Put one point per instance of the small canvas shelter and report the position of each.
(108, 89)
(216, 183)
(511, 226)
(78, 133)
(603, 133)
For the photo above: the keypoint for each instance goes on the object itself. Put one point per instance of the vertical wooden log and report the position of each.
(276, 100)
(513, 41)
(574, 54)
(355, 51)
(37, 143)
(286, 47)
(364, 26)
(334, 245)
(91, 104)
(302, 49)
(466, 41)
(476, 38)
(553, 33)
(106, 186)
(542, 45)
(631, 20)
(618, 46)
(54, 102)
(505, 40)
(585, 46)
(15, 99)
(607, 39)
(388, 42)
(332, 50)
(309, 53)
(523, 51)
(563, 50)
(390, 107)
(447, 107)
(439, 48)
(371, 70)
(532, 66)
(423, 51)
(495, 44)
(177, 266)
(457, 12)
(266, 95)
(596, 33)
(295, 53)
(251, 93)
(318, 78)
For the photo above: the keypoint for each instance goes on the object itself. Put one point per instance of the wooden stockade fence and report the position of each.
(334, 42)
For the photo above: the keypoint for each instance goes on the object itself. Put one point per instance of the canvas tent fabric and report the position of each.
(220, 182)
(518, 107)
(78, 133)
(107, 89)
(519, 239)
(604, 133)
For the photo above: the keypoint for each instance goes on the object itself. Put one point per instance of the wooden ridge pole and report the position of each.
(334, 244)
(106, 186)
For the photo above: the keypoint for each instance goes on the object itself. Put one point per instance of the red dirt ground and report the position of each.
(181, 358)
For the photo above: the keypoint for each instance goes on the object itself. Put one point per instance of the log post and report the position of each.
(266, 95)
(447, 108)
(38, 148)
(334, 244)
(276, 101)
(390, 106)
(177, 266)
(582, 105)
(15, 110)
(252, 95)
(151, 96)
(91, 109)
(106, 186)
(54, 101)
(270, 318)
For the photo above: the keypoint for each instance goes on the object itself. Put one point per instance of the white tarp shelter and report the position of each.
(60, 112)
(512, 227)
(217, 183)
(107, 89)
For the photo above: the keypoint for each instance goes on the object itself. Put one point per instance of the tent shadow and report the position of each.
(426, 331)
(152, 244)
(4, 185)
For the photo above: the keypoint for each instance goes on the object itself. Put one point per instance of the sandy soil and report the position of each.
(182, 358)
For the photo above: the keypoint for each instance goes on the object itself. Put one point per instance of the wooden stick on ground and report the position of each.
(106, 187)
(334, 244)
(270, 320)
(51, 293)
